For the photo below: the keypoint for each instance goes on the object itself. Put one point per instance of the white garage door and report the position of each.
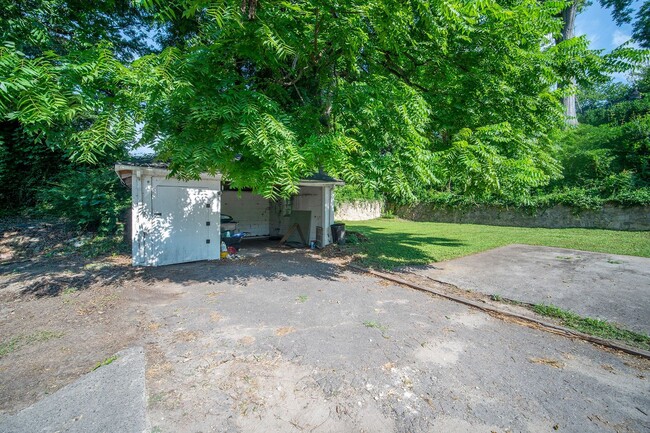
(185, 225)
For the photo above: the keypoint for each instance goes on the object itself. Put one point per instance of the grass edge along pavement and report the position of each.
(390, 242)
(395, 242)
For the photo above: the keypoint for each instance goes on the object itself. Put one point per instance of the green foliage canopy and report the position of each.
(397, 96)
(64, 75)
(65, 26)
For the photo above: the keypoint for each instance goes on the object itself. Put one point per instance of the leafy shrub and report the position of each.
(636, 197)
(606, 159)
(92, 198)
(26, 162)
(578, 198)
(495, 162)
(614, 190)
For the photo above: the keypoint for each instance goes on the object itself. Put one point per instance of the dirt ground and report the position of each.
(283, 341)
(61, 315)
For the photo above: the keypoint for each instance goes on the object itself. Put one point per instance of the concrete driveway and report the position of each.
(285, 343)
(109, 399)
(603, 286)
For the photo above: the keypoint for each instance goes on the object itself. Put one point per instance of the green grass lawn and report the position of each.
(395, 242)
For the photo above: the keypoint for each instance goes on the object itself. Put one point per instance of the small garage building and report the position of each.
(176, 221)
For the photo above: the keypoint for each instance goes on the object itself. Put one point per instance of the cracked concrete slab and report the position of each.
(604, 286)
(365, 355)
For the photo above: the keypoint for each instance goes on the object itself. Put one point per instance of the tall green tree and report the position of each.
(399, 96)
(622, 12)
(608, 155)
(642, 26)
(65, 26)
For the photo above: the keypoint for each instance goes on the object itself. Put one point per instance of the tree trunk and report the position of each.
(569, 101)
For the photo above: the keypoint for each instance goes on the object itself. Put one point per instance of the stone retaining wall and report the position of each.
(609, 217)
(359, 210)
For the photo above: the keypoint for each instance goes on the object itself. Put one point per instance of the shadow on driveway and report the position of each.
(396, 249)
(52, 277)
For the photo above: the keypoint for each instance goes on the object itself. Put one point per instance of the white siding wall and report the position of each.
(328, 209)
(276, 217)
(262, 217)
(251, 211)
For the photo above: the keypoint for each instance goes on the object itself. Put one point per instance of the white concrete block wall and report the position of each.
(251, 211)
(262, 217)
(359, 210)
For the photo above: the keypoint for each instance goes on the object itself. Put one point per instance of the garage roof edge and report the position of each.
(154, 169)
(160, 168)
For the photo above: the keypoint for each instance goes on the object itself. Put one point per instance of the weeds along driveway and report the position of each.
(286, 343)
